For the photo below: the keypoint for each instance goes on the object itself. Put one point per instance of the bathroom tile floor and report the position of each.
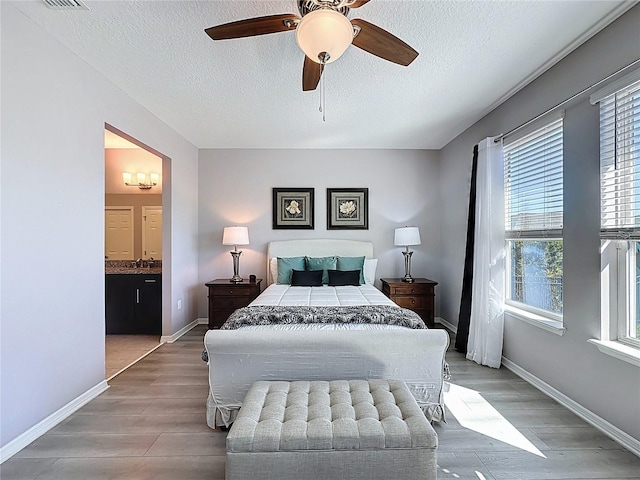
(123, 350)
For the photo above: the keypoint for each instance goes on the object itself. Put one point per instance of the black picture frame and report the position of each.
(347, 208)
(293, 208)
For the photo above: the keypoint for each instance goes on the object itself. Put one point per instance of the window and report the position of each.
(620, 207)
(533, 220)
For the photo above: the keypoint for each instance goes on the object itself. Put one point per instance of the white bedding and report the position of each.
(286, 295)
(321, 296)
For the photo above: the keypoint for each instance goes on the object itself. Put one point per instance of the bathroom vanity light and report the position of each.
(142, 180)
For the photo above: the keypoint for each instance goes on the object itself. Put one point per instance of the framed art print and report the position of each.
(293, 208)
(347, 208)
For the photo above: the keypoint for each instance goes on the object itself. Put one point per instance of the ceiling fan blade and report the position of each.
(311, 73)
(381, 43)
(359, 3)
(254, 26)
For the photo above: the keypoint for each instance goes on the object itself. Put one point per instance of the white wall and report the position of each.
(606, 386)
(235, 187)
(54, 108)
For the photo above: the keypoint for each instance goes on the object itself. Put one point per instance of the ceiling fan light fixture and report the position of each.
(324, 35)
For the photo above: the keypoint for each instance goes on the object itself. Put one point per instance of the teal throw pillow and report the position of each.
(352, 263)
(285, 267)
(322, 263)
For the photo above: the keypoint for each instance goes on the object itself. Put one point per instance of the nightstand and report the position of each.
(417, 296)
(225, 297)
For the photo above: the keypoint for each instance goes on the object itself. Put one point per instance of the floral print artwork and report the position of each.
(293, 208)
(348, 209)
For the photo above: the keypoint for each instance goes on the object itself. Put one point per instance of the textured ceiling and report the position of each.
(246, 93)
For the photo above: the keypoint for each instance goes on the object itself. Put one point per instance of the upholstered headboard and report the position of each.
(316, 248)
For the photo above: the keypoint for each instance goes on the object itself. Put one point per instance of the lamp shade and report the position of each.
(235, 236)
(407, 236)
(324, 30)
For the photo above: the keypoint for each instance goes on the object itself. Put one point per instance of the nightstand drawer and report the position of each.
(219, 317)
(411, 302)
(232, 291)
(410, 289)
(230, 303)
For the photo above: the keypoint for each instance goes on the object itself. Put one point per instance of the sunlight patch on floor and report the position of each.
(475, 413)
(455, 475)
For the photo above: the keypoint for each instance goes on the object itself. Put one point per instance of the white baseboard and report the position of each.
(21, 441)
(182, 331)
(449, 326)
(613, 432)
(203, 321)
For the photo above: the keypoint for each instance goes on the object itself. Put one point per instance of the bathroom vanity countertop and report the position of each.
(132, 271)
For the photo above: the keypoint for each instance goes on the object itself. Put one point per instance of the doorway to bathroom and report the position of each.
(133, 252)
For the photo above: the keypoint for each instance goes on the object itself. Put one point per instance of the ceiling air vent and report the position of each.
(66, 4)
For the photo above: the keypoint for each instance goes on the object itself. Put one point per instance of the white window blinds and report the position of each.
(620, 163)
(533, 183)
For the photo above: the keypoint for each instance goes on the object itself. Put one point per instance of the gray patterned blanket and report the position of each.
(279, 315)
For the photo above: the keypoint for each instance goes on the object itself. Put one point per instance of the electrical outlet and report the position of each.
(179, 304)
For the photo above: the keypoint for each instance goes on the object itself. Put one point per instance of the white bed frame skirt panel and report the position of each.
(238, 358)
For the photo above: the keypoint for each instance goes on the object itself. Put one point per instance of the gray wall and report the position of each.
(52, 348)
(235, 187)
(606, 386)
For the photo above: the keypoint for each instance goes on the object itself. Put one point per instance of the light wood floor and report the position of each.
(151, 425)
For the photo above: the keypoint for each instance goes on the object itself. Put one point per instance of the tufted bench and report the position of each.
(356, 429)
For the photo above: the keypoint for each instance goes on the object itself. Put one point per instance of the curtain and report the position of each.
(464, 315)
(486, 321)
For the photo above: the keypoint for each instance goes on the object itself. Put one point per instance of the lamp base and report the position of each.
(407, 266)
(236, 263)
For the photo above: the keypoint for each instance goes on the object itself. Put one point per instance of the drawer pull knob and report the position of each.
(413, 301)
(413, 291)
(230, 292)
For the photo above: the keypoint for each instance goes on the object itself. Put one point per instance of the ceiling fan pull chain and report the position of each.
(323, 96)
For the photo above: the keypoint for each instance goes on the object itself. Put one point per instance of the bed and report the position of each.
(332, 349)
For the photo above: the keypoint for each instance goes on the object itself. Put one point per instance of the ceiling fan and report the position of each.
(323, 33)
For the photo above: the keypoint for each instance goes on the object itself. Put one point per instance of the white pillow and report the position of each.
(370, 265)
(273, 268)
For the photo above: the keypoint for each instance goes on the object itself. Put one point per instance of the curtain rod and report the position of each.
(564, 102)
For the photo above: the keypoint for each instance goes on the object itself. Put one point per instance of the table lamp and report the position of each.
(404, 237)
(235, 236)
